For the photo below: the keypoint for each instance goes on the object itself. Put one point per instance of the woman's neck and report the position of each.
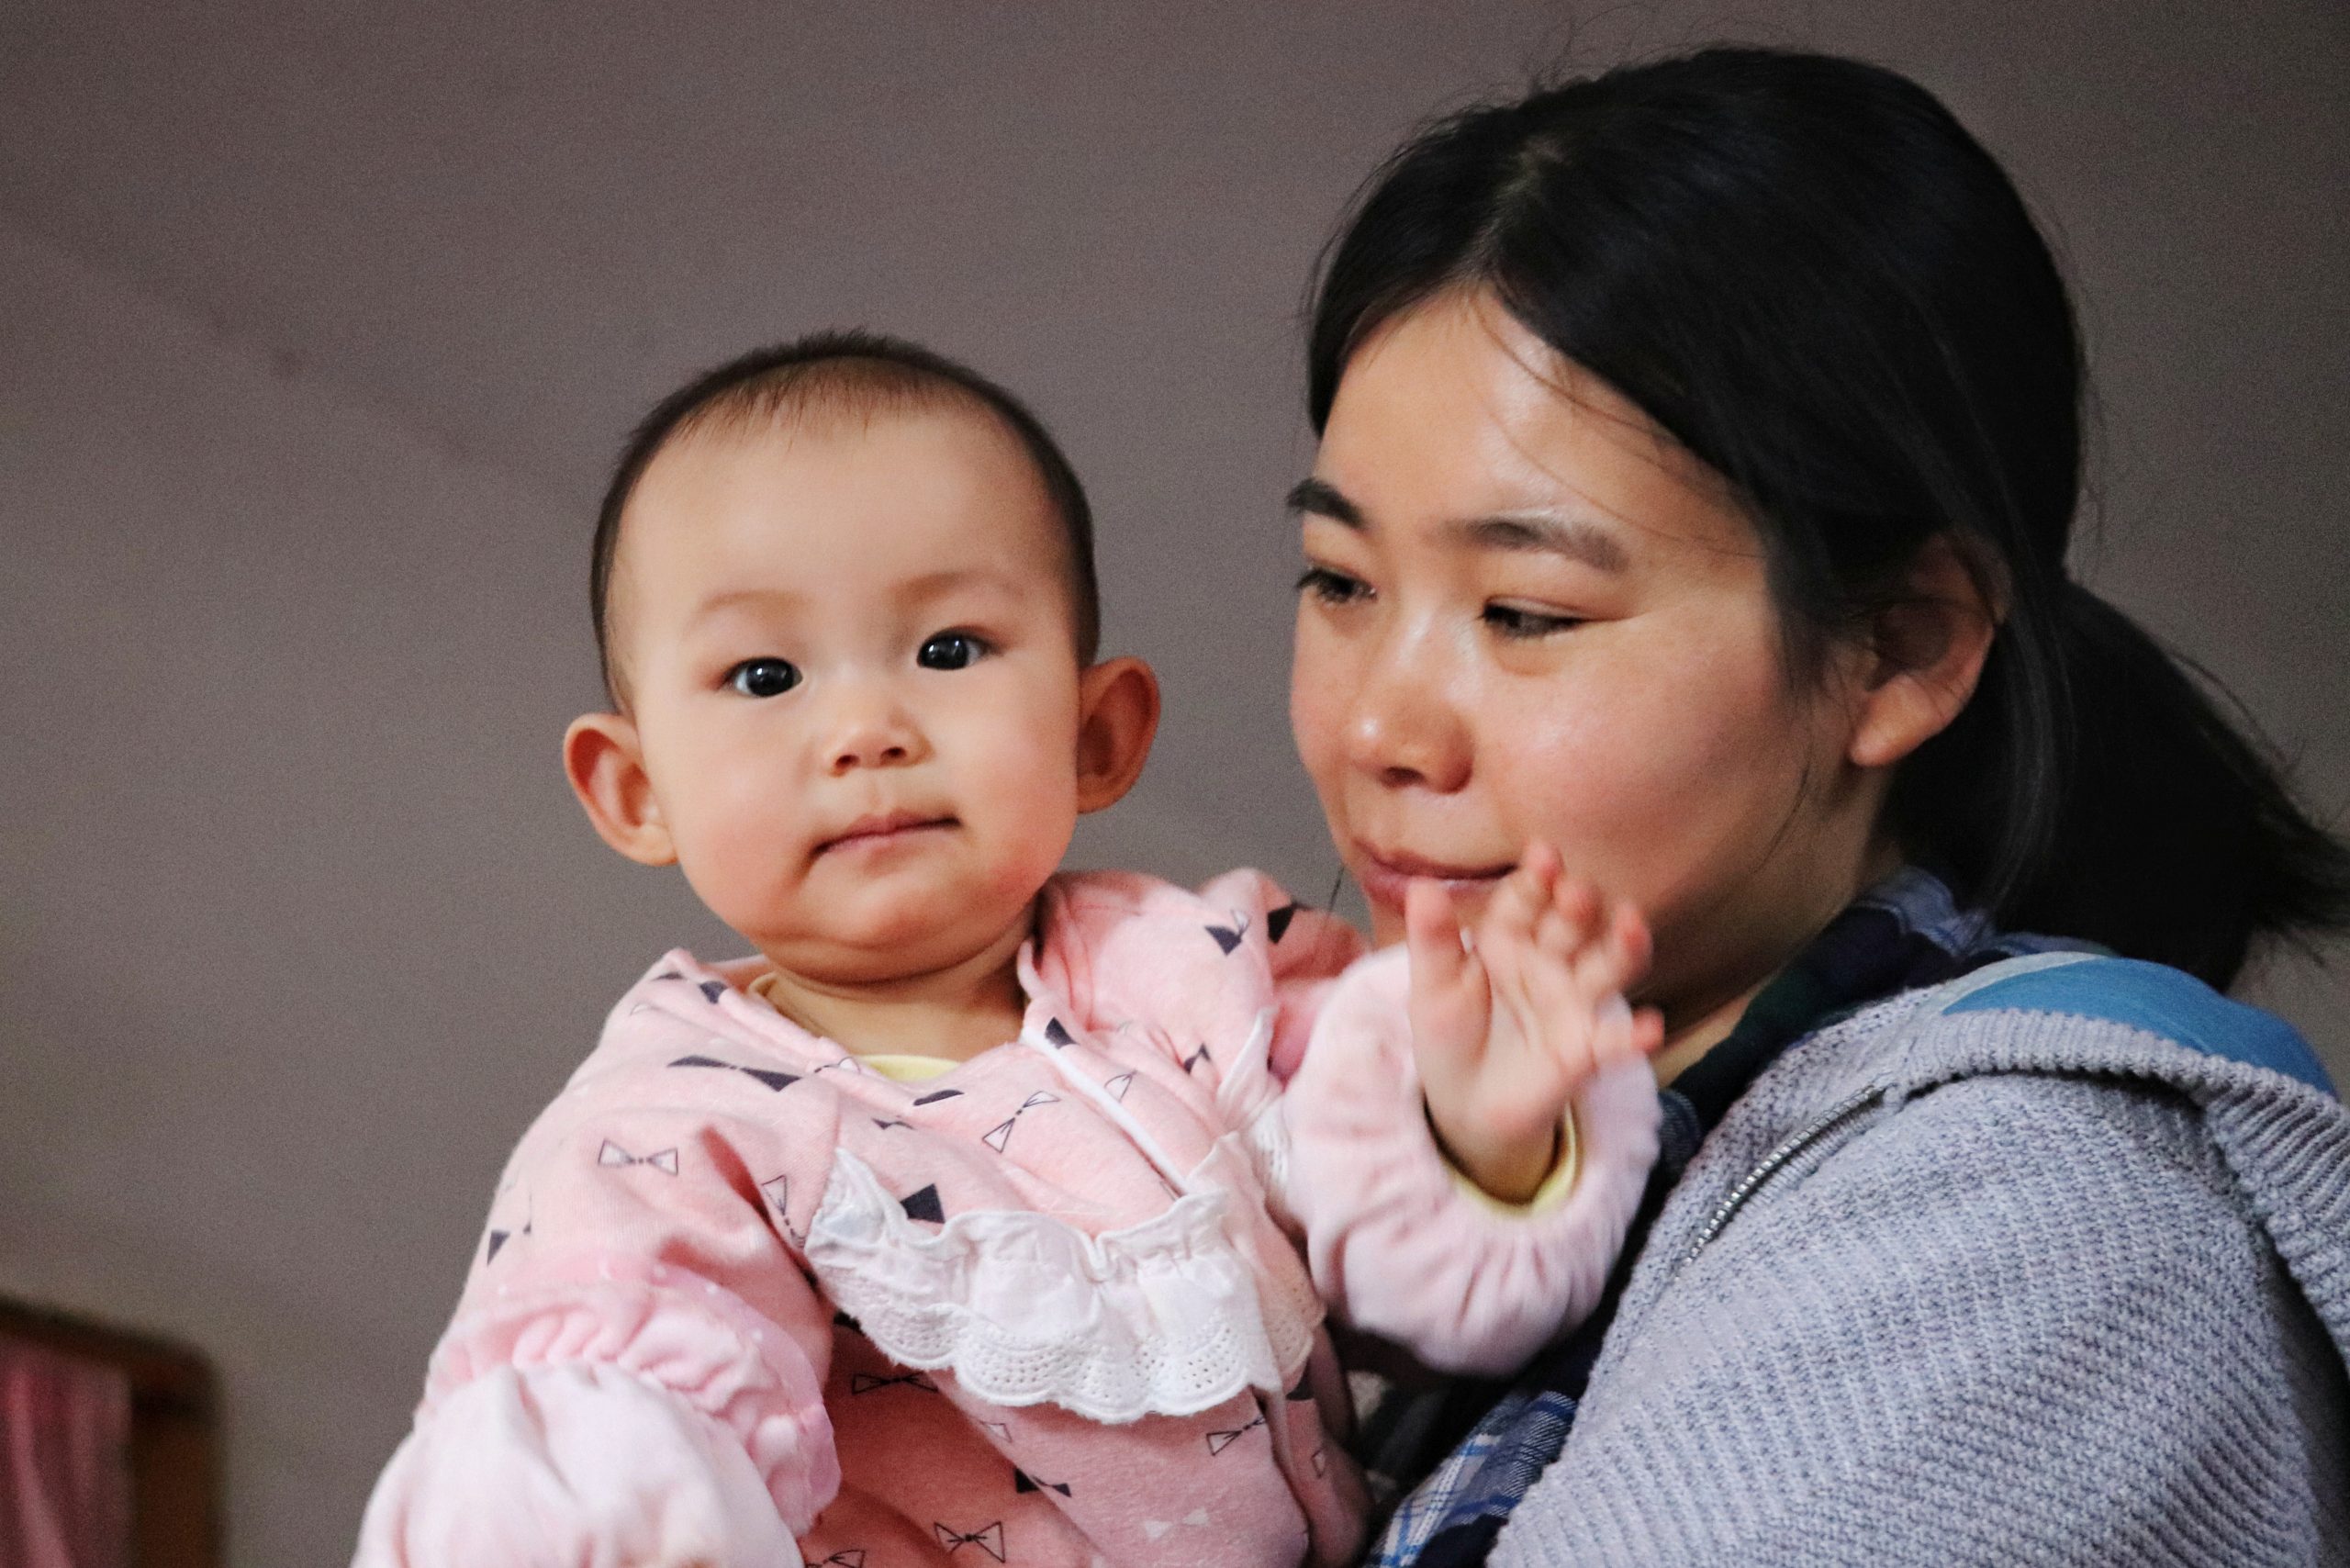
(1686, 1041)
(954, 1013)
(1697, 1026)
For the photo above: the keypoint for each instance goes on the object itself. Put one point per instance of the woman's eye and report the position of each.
(950, 650)
(1332, 587)
(1520, 624)
(763, 677)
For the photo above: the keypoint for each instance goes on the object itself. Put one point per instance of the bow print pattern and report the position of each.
(778, 1081)
(988, 1539)
(664, 1160)
(1219, 1441)
(498, 1238)
(996, 1137)
(1228, 937)
(866, 1383)
(1153, 1529)
(777, 1190)
(498, 1241)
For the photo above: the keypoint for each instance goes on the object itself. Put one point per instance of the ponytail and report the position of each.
(2117, 802)
(2177, 838)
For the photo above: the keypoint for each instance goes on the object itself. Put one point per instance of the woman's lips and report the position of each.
(882, 828)
(1385, 875)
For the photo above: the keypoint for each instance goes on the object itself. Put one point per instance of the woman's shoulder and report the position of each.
(2085, 1123)
(2068, 1217)
(2048, 1016)
(2100, 1059)
(2090, 1010)
(2038, 1287)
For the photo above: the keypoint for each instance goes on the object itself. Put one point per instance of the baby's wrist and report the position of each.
(1507, 1169)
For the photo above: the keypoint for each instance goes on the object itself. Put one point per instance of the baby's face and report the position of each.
(851, 661)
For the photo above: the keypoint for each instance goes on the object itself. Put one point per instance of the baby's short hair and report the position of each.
(839, 373)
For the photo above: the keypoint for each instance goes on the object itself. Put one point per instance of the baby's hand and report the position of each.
(1508, 1027)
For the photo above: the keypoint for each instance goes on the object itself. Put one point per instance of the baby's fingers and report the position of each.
(1432, 933)
(1648, 1030)
(1571, 921)
(1624, 1031)
(1451, 1004)
(1517, 906)
(1617, 950)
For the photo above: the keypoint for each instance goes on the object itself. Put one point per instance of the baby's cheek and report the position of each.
(1047, 820)
(1038, 807)
(736, 858)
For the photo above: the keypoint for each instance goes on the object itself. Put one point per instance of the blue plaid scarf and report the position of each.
(1907, 932)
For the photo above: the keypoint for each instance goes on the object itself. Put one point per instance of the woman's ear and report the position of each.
(605, 762)
(1117, 716)
(1924, 656)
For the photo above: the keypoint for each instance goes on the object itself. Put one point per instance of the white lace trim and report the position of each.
(1163, 1317)
(1268, 1140)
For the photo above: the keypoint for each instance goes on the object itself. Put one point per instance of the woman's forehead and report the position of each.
(1454, 419)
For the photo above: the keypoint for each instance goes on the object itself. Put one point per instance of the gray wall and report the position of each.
(319, 327)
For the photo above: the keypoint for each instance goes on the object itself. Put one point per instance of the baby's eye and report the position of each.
(1332, 586)
(951, 650)
(1518, 623)
(763, 677)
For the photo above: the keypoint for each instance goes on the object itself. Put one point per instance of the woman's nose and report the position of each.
(1407, 729)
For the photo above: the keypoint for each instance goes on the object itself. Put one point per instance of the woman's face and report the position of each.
(1528, 615)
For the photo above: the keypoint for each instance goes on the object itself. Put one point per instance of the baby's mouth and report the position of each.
(878, 828)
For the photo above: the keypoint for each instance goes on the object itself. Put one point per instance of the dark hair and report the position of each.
(1808, 272)
(837, 373)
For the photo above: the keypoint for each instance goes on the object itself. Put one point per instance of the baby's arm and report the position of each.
(1509, 1023)
(1424, 1086)
(635, 1374)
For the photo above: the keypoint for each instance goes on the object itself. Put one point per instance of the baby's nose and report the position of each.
(870, 751)
(871, 731)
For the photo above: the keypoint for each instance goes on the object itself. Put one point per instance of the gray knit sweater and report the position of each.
(1998, 1272)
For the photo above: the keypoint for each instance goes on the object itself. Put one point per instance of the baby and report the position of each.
(985, 1214)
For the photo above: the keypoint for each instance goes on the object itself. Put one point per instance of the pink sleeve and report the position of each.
(635, 1372)
(1271, 1007)
(1402, 1246)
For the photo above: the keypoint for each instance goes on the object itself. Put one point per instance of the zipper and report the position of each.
(1772, 1162)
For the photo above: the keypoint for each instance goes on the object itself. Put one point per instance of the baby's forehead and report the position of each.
(898, 502)
(878, 471)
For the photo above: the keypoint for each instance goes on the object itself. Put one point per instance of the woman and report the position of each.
(1700, 447)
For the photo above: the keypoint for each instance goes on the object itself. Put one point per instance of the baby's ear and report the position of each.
(1117, 716)
(605, 763)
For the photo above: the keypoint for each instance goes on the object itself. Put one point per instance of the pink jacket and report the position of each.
(741, 1296)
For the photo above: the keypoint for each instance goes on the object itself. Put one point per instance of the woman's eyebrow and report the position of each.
(1322, 499)
(1578, 538)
